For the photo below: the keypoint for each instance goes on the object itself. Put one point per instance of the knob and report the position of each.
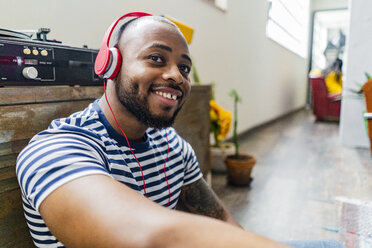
(29, 72)
(27, 51)
(44, 53)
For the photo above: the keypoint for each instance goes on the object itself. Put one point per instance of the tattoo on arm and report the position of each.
(198, 198)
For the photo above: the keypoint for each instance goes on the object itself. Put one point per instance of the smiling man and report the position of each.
(114, 174)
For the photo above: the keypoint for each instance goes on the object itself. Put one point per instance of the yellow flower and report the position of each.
(225, 124)
(213, 112)
(220, 121)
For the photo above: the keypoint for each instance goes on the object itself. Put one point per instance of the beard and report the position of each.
(138, 106)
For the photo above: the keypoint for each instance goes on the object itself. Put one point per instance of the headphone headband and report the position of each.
(104, 59)
(106, 38)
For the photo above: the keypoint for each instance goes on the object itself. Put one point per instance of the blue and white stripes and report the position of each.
(85, 144)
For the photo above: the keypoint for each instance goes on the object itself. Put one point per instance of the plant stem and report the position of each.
(235, 128)
(216, 140)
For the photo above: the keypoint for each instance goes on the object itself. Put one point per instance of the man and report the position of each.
(83, 185)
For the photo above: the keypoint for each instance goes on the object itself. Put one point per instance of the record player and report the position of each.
(32, 62)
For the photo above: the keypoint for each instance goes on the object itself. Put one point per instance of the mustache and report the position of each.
(168, 85)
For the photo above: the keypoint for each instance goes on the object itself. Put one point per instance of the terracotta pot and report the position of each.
(239, 170)
(367, 90)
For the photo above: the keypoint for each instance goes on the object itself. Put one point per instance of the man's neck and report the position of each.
(134, 130)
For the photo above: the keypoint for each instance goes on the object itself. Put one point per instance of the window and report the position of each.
(288, 24)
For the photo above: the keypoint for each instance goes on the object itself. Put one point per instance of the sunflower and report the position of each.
(220, 122)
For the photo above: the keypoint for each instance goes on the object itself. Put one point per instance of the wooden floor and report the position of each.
(306, 185)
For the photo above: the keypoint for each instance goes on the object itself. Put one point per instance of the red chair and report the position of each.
(326, 106)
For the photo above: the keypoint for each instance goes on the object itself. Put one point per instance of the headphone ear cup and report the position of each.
(114, 64)
(108, 60)
(102, 61)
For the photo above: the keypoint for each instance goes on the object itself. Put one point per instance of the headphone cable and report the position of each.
(143, 177)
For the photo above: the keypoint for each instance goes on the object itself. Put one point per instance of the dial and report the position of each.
(30, 72)
(44, 53)
(27, 51)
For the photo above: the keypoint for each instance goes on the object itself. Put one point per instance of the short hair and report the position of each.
(135, 21)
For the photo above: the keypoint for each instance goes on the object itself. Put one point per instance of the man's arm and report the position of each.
(199, 198)
(97, 211)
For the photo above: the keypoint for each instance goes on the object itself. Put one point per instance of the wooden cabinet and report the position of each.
(24, 111)
(193, 124)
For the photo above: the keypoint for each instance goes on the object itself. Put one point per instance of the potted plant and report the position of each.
(239, 165)
(366, 89)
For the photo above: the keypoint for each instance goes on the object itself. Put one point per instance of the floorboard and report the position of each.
(306, 185)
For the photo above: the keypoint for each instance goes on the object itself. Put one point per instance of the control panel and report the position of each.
(28, 62)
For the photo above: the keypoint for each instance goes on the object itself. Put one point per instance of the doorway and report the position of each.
(329, 33)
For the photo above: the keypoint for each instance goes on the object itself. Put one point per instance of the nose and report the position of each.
(172, 73)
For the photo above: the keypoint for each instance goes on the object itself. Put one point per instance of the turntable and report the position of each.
(28, 61)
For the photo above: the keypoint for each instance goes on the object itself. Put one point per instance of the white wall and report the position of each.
(352, 130)
(229, 48)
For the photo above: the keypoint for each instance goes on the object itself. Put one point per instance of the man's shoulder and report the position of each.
(81, 131)
(84, 118)
(85, 123)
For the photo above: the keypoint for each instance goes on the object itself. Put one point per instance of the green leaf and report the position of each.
(367, 75)
(235, 95)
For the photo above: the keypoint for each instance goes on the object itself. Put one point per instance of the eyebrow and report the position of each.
(187, 58)
(161, 46)
(167, 48)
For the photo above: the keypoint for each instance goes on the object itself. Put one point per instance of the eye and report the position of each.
(184, 68)
(157, 58)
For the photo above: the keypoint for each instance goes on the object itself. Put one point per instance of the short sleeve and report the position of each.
(192, 169)
(47, 163)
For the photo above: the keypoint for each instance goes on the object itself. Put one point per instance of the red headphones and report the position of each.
(108, 60)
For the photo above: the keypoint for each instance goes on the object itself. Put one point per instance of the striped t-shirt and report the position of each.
(85, 144)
